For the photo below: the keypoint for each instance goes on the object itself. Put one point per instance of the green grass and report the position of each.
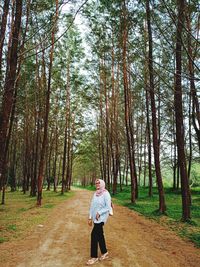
(172, 219)
(2, 240)
(20, 214)
(88, 187)
(12, 227)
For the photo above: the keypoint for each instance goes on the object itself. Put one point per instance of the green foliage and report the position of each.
(195, 237)
(195, 175)
(86, 159)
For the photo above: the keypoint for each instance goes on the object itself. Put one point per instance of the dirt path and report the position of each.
(132, 241)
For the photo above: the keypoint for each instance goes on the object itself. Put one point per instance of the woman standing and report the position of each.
(99, 212)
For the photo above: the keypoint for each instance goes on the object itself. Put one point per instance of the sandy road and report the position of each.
(132, 241)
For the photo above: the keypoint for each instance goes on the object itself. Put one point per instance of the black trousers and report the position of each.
(97, 237)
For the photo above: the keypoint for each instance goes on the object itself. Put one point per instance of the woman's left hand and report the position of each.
(97, 216)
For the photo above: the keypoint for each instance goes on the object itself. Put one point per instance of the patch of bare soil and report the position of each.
(132, 241)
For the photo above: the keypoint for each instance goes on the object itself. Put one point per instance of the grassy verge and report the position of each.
(20, 214)
(148, 207)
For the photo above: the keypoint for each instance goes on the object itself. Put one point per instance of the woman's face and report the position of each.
(97, 184)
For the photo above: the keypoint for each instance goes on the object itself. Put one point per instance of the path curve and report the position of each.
(132, 240)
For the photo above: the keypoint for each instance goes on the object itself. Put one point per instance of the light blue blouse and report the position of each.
(102, 205)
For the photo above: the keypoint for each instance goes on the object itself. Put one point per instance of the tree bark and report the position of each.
(107, 125)
(3, 30)
(179, 114)
(175, 161)
(162, 206)
(46, 120)
(7, 101)
(69, 148)
(193, 91)
(148, 115)
(55, 176)
(102, 130)
(127, 106)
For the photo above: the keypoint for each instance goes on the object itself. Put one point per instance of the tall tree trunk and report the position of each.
(146, 84)
(49, 161)
(162, 206)
(117, 138)
(112, 122)
(55, 177)
(70, 150)
(44, 142)
(26, 145)
(100, 149)
(64, 160)
(175, 161)
(67, 125)
(3, 30)
(127, 106)
(69, 155)
(140, 156)
(35, 155)
(107, 125)
(15, 86)
(131, 130)
(190, 140)
(41, 154)
(7, 101)
(37, 127)
(179, 114)
(145, 156)
(114, 139)
(101, 129)
(178, 176)
(193, 91)
(13, 164)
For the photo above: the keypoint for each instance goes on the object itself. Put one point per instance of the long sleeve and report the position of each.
(100, 204)
(91, 208)
(106, 208)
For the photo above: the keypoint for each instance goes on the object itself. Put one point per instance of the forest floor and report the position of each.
(132, 240)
